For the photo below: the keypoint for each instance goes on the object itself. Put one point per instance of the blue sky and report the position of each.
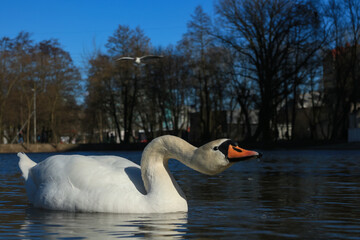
(80, 25)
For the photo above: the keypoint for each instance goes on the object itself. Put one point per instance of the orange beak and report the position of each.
(235, 154)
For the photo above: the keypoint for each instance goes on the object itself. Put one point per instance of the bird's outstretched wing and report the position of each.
(125, 58)
(150, 57)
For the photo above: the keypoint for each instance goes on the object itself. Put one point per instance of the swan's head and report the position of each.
(216, 156)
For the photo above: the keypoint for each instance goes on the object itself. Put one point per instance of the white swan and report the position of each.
(115, 184)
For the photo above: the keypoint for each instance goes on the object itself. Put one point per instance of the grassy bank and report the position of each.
(47, 147)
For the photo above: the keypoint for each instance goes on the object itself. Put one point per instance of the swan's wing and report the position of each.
(148, 57)
(125, 58)
(115, 161)
(105, 171)
(84, 183)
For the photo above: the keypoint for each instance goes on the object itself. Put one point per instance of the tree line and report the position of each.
(41, 72)
(256, 68)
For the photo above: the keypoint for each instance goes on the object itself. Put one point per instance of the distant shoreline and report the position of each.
(48, 147)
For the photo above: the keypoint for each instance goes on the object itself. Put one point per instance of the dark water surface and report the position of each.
(285, 195)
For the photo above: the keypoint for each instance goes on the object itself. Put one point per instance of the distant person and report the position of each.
(112, 138)
(21, 139)
(44, 137)
(107, 137)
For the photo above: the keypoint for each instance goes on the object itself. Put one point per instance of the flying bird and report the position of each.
(139, 60)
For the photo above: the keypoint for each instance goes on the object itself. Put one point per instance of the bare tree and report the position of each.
(277, 38)
(352, 13)
(341, 65)
(166, 84)
(57, 79)
(23, 47)
(104, 93)
(7, 79)
(128, 42)
(45, 71)
(198, 46)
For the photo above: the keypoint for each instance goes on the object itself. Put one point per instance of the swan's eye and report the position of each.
(216, 148)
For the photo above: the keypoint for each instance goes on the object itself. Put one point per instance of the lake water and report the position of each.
(284, 195)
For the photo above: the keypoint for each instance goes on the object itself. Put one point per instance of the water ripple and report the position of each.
(285, 195)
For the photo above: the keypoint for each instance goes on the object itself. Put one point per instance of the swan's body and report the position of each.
(115, 184)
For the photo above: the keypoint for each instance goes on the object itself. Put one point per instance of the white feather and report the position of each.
(25, 164)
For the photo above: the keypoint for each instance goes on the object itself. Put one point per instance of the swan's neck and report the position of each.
(154, 166)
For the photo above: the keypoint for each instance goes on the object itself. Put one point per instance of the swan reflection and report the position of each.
(104, 225)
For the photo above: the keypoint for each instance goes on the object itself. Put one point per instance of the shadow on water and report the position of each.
(286, 194)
